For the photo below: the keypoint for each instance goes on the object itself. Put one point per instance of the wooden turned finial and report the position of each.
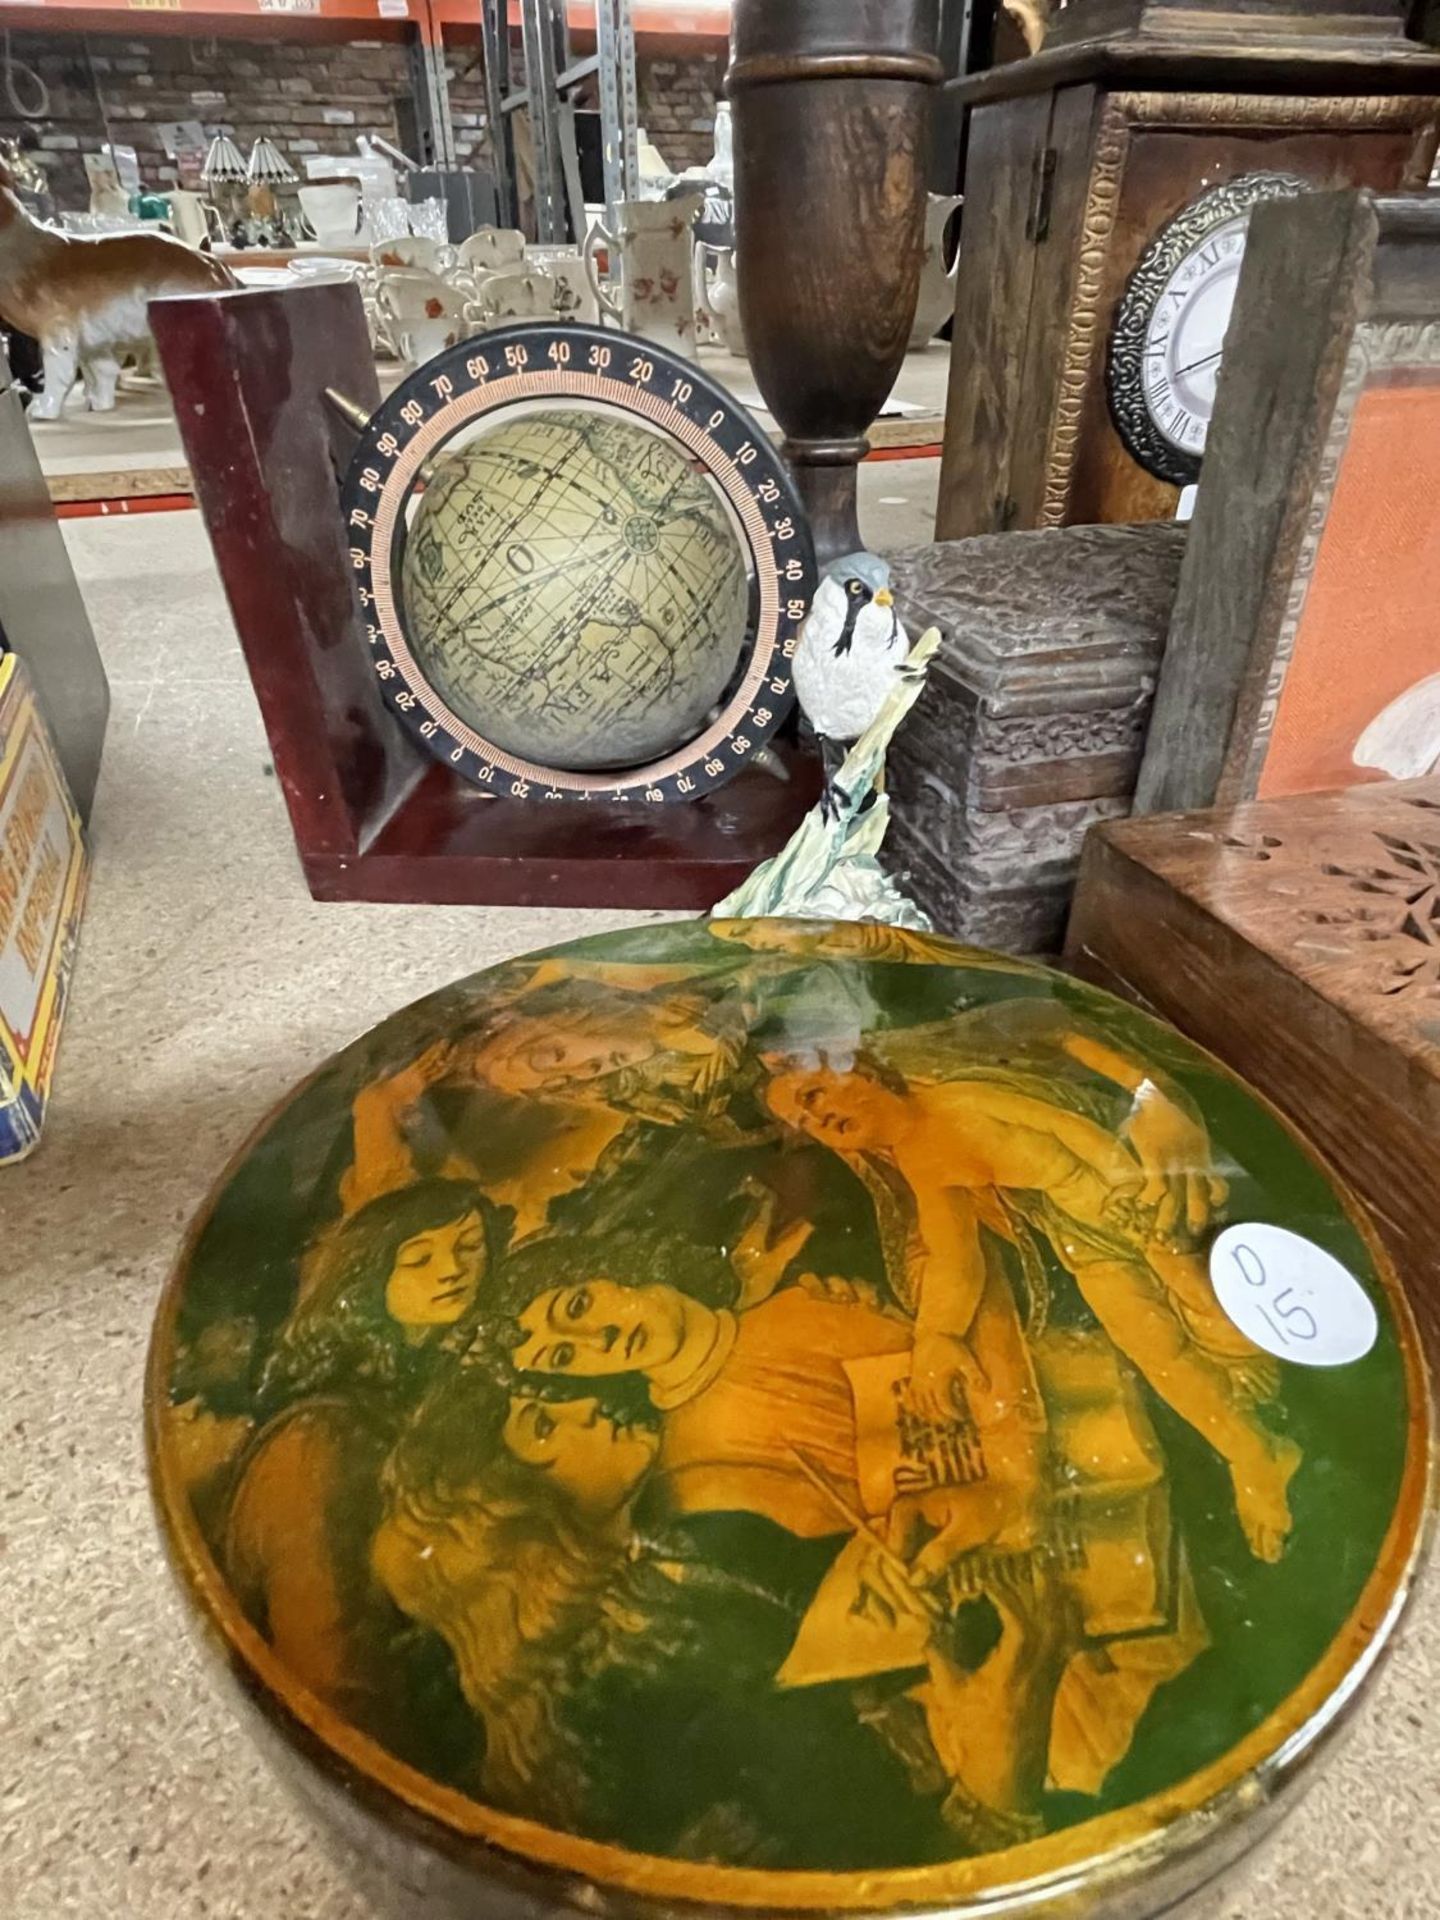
(831, 103)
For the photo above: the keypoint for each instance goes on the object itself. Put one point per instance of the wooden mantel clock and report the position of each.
(1108, 187)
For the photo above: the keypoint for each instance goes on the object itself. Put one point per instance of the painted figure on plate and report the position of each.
(781, 1339)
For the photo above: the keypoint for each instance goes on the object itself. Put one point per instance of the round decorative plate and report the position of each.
(582, 566)
(788, 1416)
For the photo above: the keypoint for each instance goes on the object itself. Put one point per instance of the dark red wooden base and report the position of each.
(448, 843)
(373, 818)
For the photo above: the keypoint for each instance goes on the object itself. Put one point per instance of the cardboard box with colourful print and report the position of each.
(43, 872)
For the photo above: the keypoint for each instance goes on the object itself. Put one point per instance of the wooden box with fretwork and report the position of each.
(1299, 939)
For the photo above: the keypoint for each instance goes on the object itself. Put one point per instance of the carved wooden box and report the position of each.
(1299, 939)
(1031, 728)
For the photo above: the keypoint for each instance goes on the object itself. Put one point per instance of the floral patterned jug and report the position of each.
(652, 245)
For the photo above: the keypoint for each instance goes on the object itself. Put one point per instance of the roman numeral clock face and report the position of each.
(1169, 333)
(1186, 337)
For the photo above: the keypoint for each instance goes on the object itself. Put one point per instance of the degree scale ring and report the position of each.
(634, 378)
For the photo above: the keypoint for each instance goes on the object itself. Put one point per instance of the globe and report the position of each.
(574, 590)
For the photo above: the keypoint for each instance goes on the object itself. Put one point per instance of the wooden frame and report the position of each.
(373, 817)
(1357, 280)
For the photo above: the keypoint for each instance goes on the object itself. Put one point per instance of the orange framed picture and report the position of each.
(1304, 654)
(1356, 675)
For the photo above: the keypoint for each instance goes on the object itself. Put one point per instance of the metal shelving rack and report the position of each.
(551, 74)
(430, 90)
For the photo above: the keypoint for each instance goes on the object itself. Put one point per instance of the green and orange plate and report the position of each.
(788, 1416)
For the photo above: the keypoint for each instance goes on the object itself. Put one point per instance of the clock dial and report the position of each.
(1169, 334)
(1186, 337)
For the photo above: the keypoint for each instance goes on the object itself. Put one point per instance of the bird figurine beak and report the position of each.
(884, 598)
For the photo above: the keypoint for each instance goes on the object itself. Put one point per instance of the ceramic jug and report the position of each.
(195, 220)
(937, 287)
(717, 296)
(652, 247)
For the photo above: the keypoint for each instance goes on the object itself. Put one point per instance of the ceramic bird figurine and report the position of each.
(851, 649)
(829, 869)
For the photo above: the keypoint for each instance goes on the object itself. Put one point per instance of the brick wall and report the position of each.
(307, 98)
(677, 106)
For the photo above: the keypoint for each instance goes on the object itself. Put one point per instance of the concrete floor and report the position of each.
(208, 983)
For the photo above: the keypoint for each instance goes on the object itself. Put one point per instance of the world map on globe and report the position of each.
(574, 590)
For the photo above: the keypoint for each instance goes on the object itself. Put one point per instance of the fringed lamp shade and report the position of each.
(269, 165)
(224, 164)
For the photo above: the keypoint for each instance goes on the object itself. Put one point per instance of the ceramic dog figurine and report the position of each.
(84, 299)
(1033, 19)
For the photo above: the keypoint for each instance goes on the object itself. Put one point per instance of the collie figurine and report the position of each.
(1033, 18)
(84, 299)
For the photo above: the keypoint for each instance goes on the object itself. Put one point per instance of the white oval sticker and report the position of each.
(1291, 1297)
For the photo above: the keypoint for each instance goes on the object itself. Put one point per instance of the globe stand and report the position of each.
(373, 817)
